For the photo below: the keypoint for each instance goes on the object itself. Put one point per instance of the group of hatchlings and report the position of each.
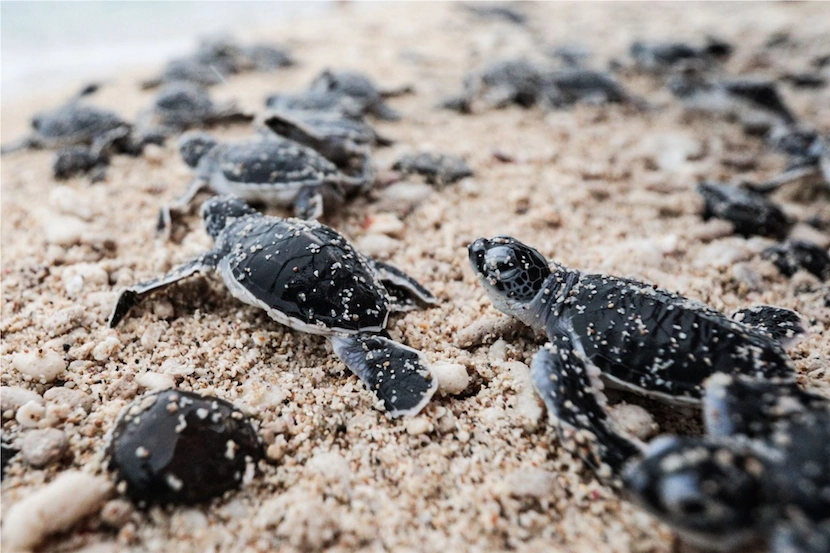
(762, 469)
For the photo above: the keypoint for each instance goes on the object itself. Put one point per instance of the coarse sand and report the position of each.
(598, 188)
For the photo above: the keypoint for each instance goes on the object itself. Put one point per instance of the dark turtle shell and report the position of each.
(305, 274)
(272, 160)
(75, 123)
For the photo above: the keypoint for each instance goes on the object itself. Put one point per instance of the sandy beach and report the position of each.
(605, 188)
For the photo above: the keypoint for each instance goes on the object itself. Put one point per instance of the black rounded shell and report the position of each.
(181, 447)
(308, 272)
(272, 161)
(662, 342)
(75, 122)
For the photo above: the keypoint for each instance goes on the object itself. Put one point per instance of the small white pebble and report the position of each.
(529, 482)
(44, 366)
(407, 193)
(154, 381)
(63, 230)
(70, 202)
(116, 512)
(386, 223)
(64, 320)
(452, 377)
(104, 350)
(40, 448)
(13, 397)
(29, 414)
(377, 245)
(153, 153)
(418, 425)
(73, 285)
(53, 508)
(634, 420)
(163, 309)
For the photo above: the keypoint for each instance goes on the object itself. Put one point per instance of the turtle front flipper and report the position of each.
(572, 392)
(399, 375)
(308, 204)
(404, 291)
(785, 326)
(133, 295)
(165, 216)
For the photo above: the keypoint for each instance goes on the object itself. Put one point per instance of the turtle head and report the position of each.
(194, 145)
(221, 210)
(708, 492)
(511, 272)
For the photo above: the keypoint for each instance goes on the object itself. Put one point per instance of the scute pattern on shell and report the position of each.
(271, 161)
(656, 340)
(306, 271)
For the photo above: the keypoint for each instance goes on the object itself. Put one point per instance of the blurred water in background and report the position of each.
(50, 44)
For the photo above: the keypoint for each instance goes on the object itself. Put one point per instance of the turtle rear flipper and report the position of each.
(308, 204)
(405, 292)
(785, 326)
(736, 405)
(133, 295)
(572, 392)
(398, 375)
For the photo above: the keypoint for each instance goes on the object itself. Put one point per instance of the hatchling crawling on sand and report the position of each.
(763, 471)
(642, 338)
(341, 140)
(349, 93)
(183, 105)
(309, 277)
(83, 134)
(267, 169)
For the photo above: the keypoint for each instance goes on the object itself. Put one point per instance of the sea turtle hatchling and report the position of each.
(640, 337)
(267, 169)
(349, 93)
(341, 140)
(183, 105)
(308, 277)
(761, 471)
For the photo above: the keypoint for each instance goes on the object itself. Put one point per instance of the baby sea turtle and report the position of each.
(73, 124)
(753, 101)
(217, 58)
(642, 338)
(762, 471)
(518, 81)
(308, 277)
(84, 135)
(360, 89)
(339, 139)
(267, 169)
(180, 447)
(438, 169)
(568, 86)
(793, 255)
(504, 82)
(661, 57)
(183, 105)
(348, 93)
(809, 157)
(751, 213)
